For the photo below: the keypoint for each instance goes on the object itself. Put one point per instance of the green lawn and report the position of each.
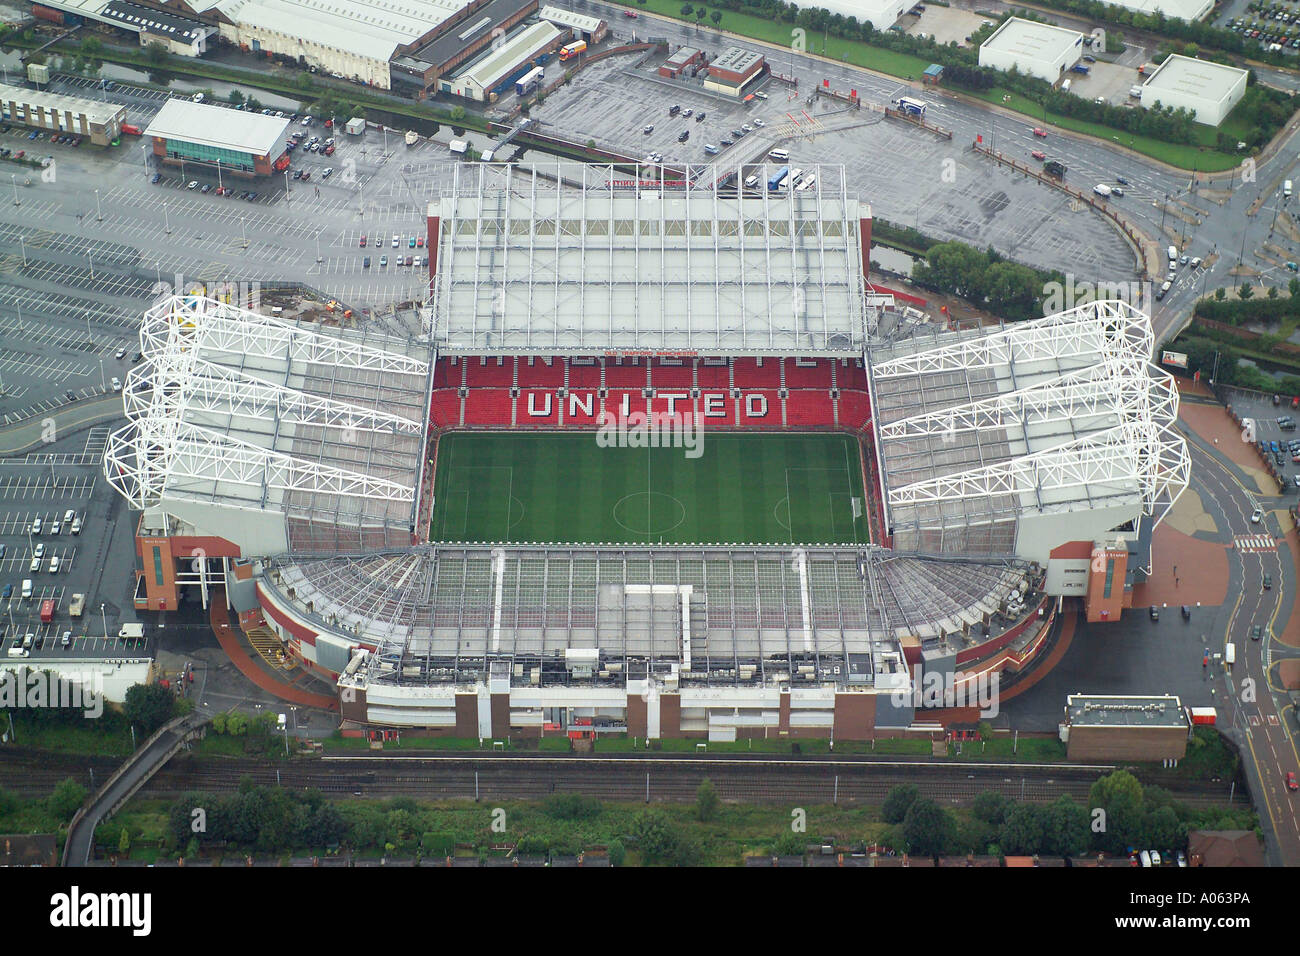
(537, 488)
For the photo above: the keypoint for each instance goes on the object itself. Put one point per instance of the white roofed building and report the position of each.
(1208, 90)
(1038, 49)
(240, 141)
(881, 14)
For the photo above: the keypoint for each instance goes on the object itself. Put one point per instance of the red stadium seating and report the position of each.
(767, 375)
(855, 409)
(713, 376)
(534, 372)
(800, 376)
(489, 406)
(584, 376)
(445, 412)
(625, 375)
(490, 375)
(809, 406)
(807, 402)
(676, 377)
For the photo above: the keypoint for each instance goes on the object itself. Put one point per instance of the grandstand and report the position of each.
(438, 528)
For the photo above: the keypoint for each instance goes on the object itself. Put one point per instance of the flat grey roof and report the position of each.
(1193, 77)
(501, 60)
(1103, 711)
(483, 21)
(210, 125)
(99, 113)
(1033, 39)
(737, 60)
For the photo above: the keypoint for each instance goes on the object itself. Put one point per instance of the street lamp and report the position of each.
(241, 232)
(103, 383)
(99, 208)
(13, 181)
(167, 225)
(89, 338)
(23, 246)
(91, 260)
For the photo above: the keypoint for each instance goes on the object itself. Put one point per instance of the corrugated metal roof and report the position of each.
(209, 125)
(371, 28)
(570, 19)
(97, 112)
(487, 72)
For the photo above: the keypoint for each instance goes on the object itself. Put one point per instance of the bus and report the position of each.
(775, 182)
(572, 50)
(912, 107)
(529, 81)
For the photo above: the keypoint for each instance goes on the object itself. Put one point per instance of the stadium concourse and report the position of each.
(875, 503)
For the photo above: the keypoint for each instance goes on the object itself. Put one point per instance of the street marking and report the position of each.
(1254, 543)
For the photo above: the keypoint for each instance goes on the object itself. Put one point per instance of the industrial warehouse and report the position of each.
(983, 476)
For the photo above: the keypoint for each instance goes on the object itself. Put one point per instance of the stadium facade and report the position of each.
(1004, 470)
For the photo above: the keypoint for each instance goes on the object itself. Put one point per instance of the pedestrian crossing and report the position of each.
(1254, 543)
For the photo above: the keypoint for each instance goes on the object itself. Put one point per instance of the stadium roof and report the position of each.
(1059, 415)
(370, 28)
(523, 266)
(704, 610)
(322, 428)
(210, 125)
(97, 112)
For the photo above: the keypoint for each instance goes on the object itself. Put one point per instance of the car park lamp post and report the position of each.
(103, 384)
(242, 234)
(167, 223)
(104, 620)
(89, 337)
(13, 181)
(22, 244)
(99, 208)
(91, 260)
(219, 185)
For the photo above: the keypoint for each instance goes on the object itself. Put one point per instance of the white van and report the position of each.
(1286, 189)
(1230, 653)
(1102, 190)
(751, 182)
(779, 155)
(1145, 857)
(1065, 86)
(1173, 255)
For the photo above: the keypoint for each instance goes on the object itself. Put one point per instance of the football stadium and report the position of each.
(663, 463)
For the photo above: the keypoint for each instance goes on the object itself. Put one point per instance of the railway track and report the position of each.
(768, 781)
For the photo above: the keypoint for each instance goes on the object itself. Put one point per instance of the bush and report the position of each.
(706, 801)
(67, 798)
(898, 801)
(571, 806)
(617, 853)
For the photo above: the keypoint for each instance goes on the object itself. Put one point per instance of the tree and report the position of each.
(617, 853)
(1024, 831)
(1245, 291)
(156, 53)
(1293, 287)
(687, 9)
(149, 706)
(898, 801)
(124, 844)
(659, 840)
(457, 113)
(1272, 292)
(700, 14)
(1221, 293)
(716, 17)
(927, 828)
(1066, 828)
(235, 98)
(991, 807)
(706, 801)
(1119, 796)
(67, 798)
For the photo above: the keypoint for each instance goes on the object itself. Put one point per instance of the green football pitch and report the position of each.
(744, 488)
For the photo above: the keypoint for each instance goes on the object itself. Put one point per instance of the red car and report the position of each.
(632, 14)
(363, 242)
(329, 124)
(1038, 131)
(328, 150)
(1038, 154)
(419, 242)
(1291, 782)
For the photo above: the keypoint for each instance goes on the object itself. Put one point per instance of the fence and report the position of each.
(918, 121)
(1129, 232)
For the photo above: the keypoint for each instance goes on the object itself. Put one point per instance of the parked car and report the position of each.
(1155, 613)
(1256, 632)
(647, 130)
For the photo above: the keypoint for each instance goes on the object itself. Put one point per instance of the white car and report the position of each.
(69, 516)
(39, 552)
(397, 241)
(36, 526)
(1256, 515)
(56, 527)
(759, 122)
(1196, 262)
(192, 184)
(54, 564)
(117, 384)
